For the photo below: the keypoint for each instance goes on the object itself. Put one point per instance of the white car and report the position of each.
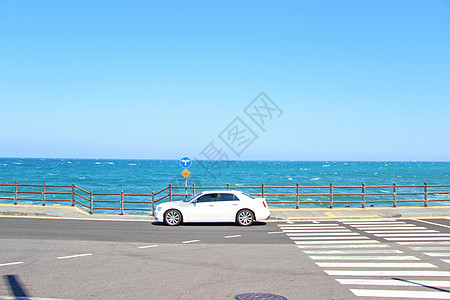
(214, 206)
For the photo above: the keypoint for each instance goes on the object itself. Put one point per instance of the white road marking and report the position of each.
(310, 225)
(317, 230)
(438, 254)
(340, 242)
(373, 223)
(431, 248)
(233, 236)
(191, 241)
(74, 256)
(412, 234)
(390, 225)
(321, 233)
(446, 260)
(11, 264)
(419, 239)
(150, 246)
(343, 246)
(376, 251)
(352, 257)
(374, 265)
(421, 273)
(327, 238)
(307, 227)
(390, 228)
(393, 282)
(432, 223)
(401, 231)
(275, 232)
(424, 243)
(400, 294)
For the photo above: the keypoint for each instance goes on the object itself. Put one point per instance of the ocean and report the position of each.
(145, 176)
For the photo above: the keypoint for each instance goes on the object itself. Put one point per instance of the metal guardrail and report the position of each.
(292, 196)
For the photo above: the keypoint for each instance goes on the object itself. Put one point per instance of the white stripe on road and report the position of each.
(383, 225)
(438, 254)
(383, 257)
(318, 230)
(393, 282)
(330, 238)
(11, 264)
(322, 234)
(391, 228)
(430, 248)
(74, 256)
(311, 228)
(401, 231)
(374, 265)
(233, 236)
(421, 273)
(412, 234)
(150, 246)
(309, 225)
(424, 243)
(400, 294)
(376, 251)
(419, 239)
(191, 241)
(446, 260)
(275, 232)
(343, 246)
(340, 242)
(432, 223)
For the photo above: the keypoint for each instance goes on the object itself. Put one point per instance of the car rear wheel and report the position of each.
(173, 217)
(245, 217)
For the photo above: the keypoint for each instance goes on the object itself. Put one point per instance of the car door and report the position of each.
(203, 209)
(227, 206)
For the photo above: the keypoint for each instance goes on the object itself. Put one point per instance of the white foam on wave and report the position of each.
(97, 163)
(16, 163)
(110, 163)
(289, 178)
(69, 162)
(325, 166)
(81, 178)
(132, 164)
(318, 178)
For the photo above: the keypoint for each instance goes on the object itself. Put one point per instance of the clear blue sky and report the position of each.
(356, 80)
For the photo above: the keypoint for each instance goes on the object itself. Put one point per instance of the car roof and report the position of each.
(222, 192)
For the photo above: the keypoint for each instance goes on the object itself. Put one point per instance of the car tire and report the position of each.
(173, 217)
(245, 217)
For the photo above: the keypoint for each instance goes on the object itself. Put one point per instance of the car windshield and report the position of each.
(190, 199)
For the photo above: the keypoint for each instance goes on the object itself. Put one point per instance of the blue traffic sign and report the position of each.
(185, 162)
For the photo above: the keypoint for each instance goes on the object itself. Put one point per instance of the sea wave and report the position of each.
(318, 178)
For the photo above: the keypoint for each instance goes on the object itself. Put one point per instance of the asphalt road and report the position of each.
(74, 259)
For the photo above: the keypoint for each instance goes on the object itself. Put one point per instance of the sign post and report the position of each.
(185, 162)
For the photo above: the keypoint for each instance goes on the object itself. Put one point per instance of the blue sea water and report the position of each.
(145, 176)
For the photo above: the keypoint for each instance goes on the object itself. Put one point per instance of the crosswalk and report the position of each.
(378, 258)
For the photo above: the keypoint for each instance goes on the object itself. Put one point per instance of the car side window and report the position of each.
(207, 198)
(228, 197)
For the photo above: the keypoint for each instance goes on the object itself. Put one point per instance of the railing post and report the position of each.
(395, 194)
(426, 193)
(262, 190)
(15, 193)
(43, 194)
(298, 202)
(91, 210)
(170, 192)
(121, 202)
(73, 194)
(331, 195)
(363, 195)
(193, 189)
(153, 203)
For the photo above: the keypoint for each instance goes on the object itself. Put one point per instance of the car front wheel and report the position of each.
(245, 217)
(173, 217)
